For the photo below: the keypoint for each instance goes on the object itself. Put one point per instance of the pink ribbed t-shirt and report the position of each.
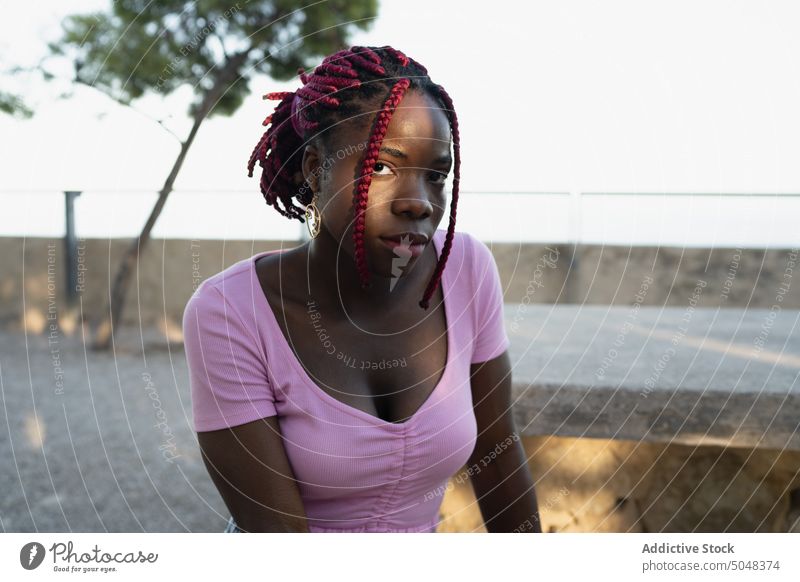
(355, 471)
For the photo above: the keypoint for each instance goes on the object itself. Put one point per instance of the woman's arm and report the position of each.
(248, 464)
(498, 465)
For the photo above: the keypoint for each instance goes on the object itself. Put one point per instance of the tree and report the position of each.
(12, 104)
(140, 46)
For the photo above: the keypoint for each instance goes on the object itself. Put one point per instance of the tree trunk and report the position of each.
(104, 330)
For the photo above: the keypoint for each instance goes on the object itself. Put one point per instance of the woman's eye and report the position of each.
(438, 177)
(380, 166)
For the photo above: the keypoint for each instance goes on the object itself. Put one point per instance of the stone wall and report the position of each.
(171, 269)
(596, 485)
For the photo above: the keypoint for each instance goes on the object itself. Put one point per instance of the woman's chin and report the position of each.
(394, 274)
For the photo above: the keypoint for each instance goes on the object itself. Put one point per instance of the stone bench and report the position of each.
(671, 375)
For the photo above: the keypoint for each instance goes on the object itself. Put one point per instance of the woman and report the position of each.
(337, 386)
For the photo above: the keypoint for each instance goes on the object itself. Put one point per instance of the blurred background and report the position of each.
(631, 165)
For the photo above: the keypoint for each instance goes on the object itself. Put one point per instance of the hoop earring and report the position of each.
(313, 218)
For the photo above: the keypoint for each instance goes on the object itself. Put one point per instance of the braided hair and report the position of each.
(342, 87)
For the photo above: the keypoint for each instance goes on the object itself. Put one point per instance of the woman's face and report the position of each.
(407, 191)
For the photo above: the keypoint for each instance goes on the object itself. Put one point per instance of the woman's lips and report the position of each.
(404, 249)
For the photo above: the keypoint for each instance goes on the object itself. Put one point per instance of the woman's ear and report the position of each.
(312, 167)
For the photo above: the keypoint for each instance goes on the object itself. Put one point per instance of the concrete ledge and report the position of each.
(676, 375)
(170, 270)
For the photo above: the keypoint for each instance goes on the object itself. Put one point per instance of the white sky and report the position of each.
(563, 96)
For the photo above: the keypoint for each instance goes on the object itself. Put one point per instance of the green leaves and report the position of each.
(13, 105)
(140, 47)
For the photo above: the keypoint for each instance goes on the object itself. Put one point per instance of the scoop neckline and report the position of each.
(352, 410)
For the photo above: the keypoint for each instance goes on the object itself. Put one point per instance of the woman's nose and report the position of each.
(413, 201)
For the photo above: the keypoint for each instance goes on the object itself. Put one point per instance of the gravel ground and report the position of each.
(96, 442)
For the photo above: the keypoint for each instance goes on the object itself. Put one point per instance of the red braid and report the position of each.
(448, 242)
(275, 183)
(365, 179)
(336, 72)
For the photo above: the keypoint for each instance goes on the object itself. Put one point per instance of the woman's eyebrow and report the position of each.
(443, 159)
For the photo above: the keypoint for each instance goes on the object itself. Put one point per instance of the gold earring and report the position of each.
(313, 218)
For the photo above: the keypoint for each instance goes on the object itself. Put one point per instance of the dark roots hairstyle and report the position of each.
(346, 86)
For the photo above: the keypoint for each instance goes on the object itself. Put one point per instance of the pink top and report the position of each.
(355, 471)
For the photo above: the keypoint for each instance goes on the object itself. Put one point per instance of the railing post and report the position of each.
(71, 247)
(572, 282)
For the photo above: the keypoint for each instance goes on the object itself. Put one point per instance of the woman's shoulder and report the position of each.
(472, 270)
(228, 283)
(224, 292)
(468, 250)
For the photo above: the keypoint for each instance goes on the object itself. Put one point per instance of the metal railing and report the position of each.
(595, 217)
